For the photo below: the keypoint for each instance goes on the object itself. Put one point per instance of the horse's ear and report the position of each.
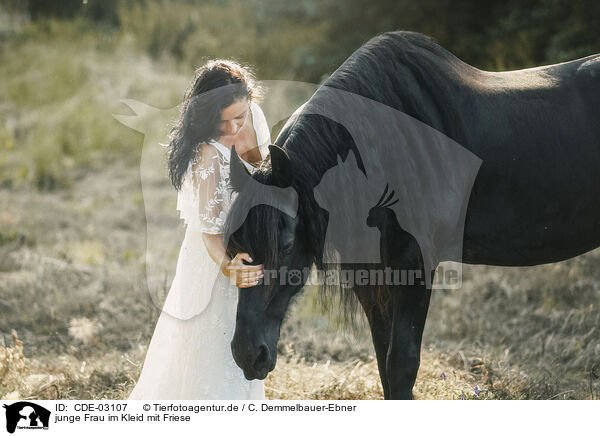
(239, 174)
(282, 173)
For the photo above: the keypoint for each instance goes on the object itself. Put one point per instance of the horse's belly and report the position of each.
(524, 253)
(521, 230)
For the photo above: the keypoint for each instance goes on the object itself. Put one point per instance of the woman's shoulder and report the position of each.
(207, 150)
(204, 156)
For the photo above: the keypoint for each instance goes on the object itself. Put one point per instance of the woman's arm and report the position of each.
(244, 276)
(206, 176)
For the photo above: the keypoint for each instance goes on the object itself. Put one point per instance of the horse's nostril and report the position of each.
(262, 359)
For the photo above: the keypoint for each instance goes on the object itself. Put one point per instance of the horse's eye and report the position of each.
(287, 245)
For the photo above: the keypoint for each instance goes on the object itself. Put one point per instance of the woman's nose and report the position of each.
(233, 128)
(230, 128)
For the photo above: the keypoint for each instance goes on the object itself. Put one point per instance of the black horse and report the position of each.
(535, 198)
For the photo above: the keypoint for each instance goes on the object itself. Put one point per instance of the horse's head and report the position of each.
(380, 213)
(264, 221)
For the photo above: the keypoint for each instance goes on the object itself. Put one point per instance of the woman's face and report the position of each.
(234, 117)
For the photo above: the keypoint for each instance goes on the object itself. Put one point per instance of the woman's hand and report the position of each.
(242, 275)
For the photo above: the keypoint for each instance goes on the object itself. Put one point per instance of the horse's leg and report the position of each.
(380, 324)
(410, 305)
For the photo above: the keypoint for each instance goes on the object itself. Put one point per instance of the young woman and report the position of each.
(189, 356)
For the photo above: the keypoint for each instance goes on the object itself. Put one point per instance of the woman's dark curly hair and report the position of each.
(216, 85)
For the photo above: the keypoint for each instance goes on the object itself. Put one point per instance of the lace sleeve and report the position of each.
(204, 198)
(210, 186)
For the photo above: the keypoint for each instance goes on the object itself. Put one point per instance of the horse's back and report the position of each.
(588, 80)
(590, 68)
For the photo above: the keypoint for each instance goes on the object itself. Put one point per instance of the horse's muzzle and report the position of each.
(256, 361)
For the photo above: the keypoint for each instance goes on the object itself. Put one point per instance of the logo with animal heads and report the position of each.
(431, 175)
(26, 415)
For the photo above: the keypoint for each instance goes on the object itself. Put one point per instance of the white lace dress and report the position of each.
(189, 356)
